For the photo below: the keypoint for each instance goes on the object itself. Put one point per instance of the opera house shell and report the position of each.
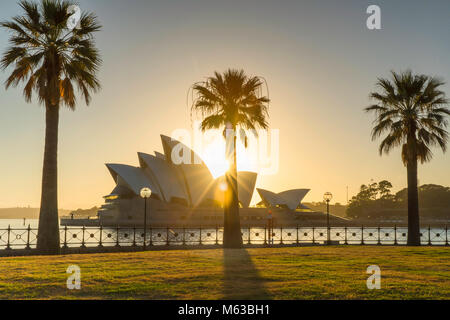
(187, 194)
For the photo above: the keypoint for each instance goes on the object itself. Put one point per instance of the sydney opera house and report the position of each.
(187, 194)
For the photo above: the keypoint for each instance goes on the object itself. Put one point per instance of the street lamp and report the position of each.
(327, 198)
(145, 193)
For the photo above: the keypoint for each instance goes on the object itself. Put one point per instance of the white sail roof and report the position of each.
(289, 198)
(164, 176)
(192, 182)
(131, 177)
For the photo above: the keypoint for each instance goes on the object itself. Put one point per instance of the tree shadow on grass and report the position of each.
(241, 278)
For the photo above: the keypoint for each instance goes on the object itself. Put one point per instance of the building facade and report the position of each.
(185, 193)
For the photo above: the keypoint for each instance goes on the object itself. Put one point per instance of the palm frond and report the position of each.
(48, 57)
(410, 108)
(214, 121)
(231, 97)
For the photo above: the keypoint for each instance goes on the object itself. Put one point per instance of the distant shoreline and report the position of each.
(27, 213)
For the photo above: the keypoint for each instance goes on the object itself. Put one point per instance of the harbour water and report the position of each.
(18, 223)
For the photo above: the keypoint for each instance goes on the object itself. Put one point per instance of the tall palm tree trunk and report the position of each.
(232, 237)
(48, 233)
(413, 205)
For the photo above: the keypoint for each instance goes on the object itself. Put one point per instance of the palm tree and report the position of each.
(412, 110)
(231, 100)
(50, 59)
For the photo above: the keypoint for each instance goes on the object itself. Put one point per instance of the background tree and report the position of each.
(411, 109)
(384, 188)
(382, 204)
(51, 59)
(431, 196)
(371, 200)
(230, 101)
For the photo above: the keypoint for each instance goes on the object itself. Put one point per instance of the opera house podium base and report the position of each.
(204, 217)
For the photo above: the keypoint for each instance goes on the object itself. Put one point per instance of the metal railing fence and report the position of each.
(72, 237)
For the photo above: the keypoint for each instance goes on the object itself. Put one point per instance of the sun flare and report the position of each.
(213, 154)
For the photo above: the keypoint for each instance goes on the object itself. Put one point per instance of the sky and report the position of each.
(320, 62)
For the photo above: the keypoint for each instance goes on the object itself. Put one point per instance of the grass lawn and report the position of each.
(268, 273)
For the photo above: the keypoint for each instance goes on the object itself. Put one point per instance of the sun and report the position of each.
(213, 154)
